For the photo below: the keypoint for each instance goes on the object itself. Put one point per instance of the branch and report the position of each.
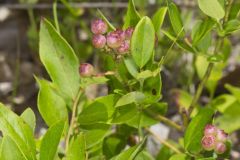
(167, 144)
(165, 120)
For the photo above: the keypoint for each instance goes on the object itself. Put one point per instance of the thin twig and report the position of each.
(74, 111)
(165, 120)
(167, 144)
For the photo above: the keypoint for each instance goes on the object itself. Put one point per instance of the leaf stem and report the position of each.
(167, 144)
(74, 111)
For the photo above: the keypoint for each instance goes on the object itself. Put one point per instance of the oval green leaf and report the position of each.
(9, 150)
(212, 8)
(19, 131)
(132, 17)
(158, 19)
(50, 141)
(131, 153)
(175, 18)
(77, 148)
(179, 157)
(50, 105)
(29, 117)
(59, 60)
(142, 43)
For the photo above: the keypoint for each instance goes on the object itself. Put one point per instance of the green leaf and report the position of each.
(59, 60)
(235, 10)
(113, 145)
(94, 133)
(194, 132)
(201, 66)
(131, 66)
(50, 141)
(179, 157)
(226, 49)
(130, 114)
(158, 19)
(101, 110)
(201, 29)
(232, 26)
(144, 75)
(144, 155)
(10, 150)
(164, 153)
(19, 131)
(50, 105)
(29, 117)
(125, 113)
(229, 123)
(228, 105)
(152, 89)
(77, 148)
(212, 8)
(142, 43)
(132, 97)
(234, 90)
(132, 17)
(130, 153)
(85, 82)
(175, 18)
(225, 103)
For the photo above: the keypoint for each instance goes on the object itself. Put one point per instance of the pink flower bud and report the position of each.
(99, 41)
(121, 33)
(129, 32)
(208, 142)
(210, 130)
(220, 148)
(124, 48)
(86, 70)
(221, 136)
(99, 26)
(114, 40)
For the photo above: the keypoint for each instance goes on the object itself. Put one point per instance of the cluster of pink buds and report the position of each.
(118, 40)
(214, 139)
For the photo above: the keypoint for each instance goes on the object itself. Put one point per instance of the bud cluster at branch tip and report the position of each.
(117, 41)
(214, 139)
